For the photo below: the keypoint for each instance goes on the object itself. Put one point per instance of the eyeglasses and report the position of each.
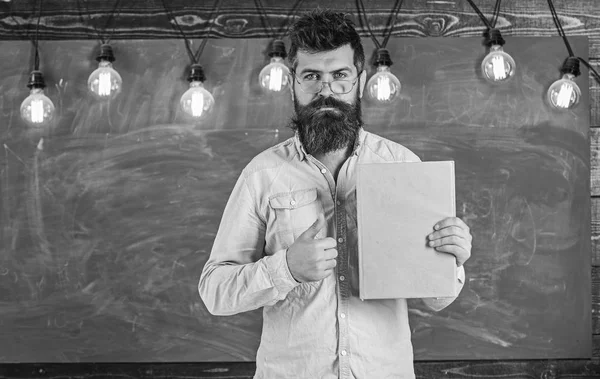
(338, 86)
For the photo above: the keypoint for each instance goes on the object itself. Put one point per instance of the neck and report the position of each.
(334, 160)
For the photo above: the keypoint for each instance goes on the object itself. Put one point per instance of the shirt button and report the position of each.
(344, 352)
(342, 315)
(342, 278)
(323, 171)
(340, 240)
(338, 202)
(293, 202)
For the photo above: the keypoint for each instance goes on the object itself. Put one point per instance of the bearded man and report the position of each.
(287, 241)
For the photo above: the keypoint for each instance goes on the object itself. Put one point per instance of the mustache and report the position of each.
(325, 102)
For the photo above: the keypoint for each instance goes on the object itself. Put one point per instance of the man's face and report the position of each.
(327, 121)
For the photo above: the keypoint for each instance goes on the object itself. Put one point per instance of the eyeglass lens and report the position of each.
(337, 86)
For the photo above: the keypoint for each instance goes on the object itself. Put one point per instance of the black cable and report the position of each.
(496, 13)
(187, 43)
(264, 18)
(214, 13)
(99, 36)
(392, 22)
(36, 64)
(289, 18)
(389, 27)
(35, 38)
(561, 32)
(481, 16)
(193, 57)
(359, 5)
(110, 18)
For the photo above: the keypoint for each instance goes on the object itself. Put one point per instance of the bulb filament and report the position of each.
(563, 100)
(384, 92)
(498, 68)
(197, 104)
(104, 84)
(276, 79)
(37, 111)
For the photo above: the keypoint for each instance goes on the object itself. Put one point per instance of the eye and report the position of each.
(340, 75)
(310, 77)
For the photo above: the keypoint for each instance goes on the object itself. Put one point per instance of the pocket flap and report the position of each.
(291, 200)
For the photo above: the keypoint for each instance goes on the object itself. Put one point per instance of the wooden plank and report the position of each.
(245, 370)
(594, 167)
(595, 232)
(596, 310)
(594, 97)
(73, 19)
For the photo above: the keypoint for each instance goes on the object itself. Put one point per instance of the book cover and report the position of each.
(398, 204)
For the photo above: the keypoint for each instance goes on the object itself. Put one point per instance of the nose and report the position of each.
(326, 89)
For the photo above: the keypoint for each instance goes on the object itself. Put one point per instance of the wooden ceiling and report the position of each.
(125, 19)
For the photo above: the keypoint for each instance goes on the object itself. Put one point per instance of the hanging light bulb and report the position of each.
(105, 82)
(37, 109)
(384, 86)
(565, 93)
(497, 67)
(275, 77)
(197, 102)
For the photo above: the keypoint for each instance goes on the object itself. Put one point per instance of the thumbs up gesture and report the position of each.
(311, 259)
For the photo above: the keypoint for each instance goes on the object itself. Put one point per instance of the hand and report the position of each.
(452, 236)
(311, 259)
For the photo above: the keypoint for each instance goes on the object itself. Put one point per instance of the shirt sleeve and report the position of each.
(438, 303)
(237, 277)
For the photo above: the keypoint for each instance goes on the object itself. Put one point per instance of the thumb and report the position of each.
(314, 229)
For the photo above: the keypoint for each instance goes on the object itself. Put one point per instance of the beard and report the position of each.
(325, 130)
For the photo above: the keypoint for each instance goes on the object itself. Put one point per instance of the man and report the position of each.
(288, 238)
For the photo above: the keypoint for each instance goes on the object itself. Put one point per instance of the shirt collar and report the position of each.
(355, 149)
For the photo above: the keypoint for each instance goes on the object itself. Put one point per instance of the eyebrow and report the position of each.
(346, 68)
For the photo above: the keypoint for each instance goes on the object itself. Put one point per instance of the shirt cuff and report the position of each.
(279, 271)
(460, 274)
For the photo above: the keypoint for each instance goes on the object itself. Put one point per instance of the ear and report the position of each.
(363, 81)
(292, 84)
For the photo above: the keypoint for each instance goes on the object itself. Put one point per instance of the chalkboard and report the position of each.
(108, 217)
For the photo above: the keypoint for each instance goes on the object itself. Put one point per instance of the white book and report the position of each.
(397, 206)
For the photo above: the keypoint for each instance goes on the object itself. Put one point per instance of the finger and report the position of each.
(326, 243)
(449, 231)
(459, 253)
(450, 221)
(451, 240)
(329, 264)
(330, 254)
(314, 229)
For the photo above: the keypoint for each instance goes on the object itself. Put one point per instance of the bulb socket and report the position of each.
(36, 80)
(383, 58)
(571, 66)
(196, 73)
(106, 53)
(494, 37)
(277, 49)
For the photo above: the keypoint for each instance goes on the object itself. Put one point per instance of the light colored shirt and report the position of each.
(316, 329)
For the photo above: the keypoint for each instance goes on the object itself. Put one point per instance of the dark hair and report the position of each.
(324, 30)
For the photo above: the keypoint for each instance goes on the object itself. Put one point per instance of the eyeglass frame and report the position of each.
(293, 74)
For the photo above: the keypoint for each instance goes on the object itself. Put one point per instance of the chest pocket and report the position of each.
(296, 211)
